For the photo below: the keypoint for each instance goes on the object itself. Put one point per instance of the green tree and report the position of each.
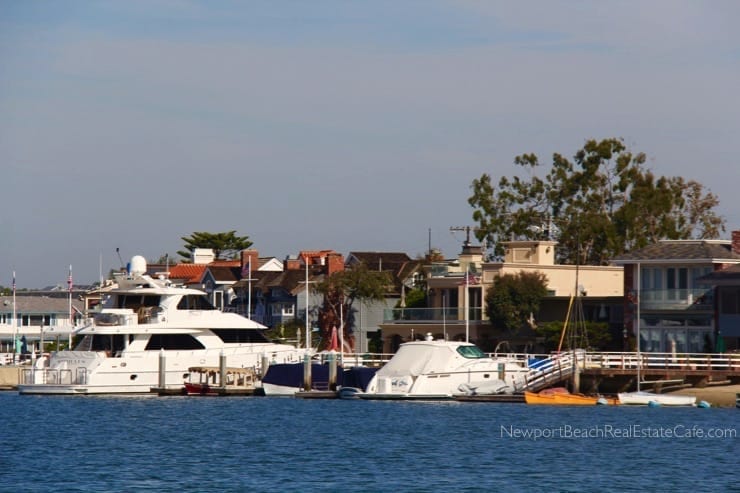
(597, 334)
(601, 204)
(225, 245)
(342, 289)
(514, 299)
(415, 298)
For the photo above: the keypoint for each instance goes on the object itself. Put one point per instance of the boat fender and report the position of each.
(653, 404)
(704, 405)
(602, 402)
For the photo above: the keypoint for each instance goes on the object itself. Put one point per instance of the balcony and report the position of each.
(700, 299)
(436, 315)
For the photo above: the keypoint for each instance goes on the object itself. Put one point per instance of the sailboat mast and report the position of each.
(637, 301)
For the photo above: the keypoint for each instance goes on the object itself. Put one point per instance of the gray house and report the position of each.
(666, 284)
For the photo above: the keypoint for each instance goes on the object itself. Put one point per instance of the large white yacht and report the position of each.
(144, 322)
(440, 369)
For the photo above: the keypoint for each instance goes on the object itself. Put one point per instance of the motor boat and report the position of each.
(147, 334)
(207, 381)
(441, 369)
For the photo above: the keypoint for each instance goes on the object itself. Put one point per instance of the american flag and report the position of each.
(470, 279)
(69, 279)
(247, 269)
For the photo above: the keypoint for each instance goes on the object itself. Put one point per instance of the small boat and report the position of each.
(206, 380)
(560, 396)
(641, 398)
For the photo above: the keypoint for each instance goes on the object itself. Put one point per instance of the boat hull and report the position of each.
(649, 398)
(82, 373)
(565, 399)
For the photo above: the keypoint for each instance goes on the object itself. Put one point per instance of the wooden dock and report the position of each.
(491, 398)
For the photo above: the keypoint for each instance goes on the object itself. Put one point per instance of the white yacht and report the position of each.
(146, 324)
(432, 369)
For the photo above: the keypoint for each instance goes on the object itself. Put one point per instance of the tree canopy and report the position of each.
(600, 205)
(514, 299)
(342, 289)
(225, 245)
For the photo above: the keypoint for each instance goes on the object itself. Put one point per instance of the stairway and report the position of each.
(552, 370)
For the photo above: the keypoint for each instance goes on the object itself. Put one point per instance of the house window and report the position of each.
(677, 282)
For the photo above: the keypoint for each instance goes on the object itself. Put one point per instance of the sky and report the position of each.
(351, 126)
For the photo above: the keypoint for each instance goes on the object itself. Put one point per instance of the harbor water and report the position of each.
(194, 444)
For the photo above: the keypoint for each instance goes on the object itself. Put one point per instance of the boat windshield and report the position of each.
(471, 352)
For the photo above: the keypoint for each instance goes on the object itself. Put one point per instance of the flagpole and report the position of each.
(249, 288)
(341, 331)
(71, 314)
(15, 323)
(308, 330)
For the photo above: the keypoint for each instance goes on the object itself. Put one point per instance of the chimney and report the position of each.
(334, 263)
(736, 242)
(249, 257)
(292, 263)
(203, 256)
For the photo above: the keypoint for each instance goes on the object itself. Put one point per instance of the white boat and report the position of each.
(432, 369)
(641, 398)
(147, 323)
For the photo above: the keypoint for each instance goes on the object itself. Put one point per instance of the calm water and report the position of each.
(186, 444)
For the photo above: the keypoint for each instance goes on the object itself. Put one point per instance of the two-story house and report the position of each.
(278, 297)
(667, 299)
(457, 291)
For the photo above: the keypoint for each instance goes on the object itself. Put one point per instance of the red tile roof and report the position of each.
(189, 272)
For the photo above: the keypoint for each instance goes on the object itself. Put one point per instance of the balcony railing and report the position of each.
(676, 299)
(437, 315)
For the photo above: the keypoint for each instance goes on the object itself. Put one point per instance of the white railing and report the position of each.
(551, 370)
(50, 376)
(667, 361)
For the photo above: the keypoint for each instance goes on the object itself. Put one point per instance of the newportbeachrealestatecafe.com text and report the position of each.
(606, 431)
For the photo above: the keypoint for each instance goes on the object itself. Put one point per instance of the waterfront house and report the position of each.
(279, 297)
(456, 293)
(666, 283)
(36, 318)
(725, 284)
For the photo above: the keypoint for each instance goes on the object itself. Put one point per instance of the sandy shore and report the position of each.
(717, 396)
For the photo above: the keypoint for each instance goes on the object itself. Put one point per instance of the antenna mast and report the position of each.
(467, 230)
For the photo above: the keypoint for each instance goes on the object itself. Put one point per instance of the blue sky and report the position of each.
(332, 124)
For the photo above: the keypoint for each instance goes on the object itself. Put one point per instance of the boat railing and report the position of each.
(358, 359)
(54, 376)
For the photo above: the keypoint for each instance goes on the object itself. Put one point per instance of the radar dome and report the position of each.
(138, 265)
